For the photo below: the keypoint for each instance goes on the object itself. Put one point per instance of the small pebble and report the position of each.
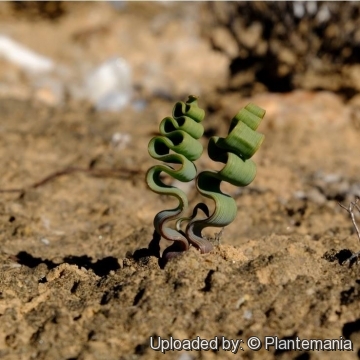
(185, 356)
(248, 314)
(45, 241)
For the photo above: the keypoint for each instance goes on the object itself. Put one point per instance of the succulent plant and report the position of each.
(180, 134)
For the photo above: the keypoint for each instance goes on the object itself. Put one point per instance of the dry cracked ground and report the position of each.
(74, 208)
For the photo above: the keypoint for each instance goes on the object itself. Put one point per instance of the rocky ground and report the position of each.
(74, 206)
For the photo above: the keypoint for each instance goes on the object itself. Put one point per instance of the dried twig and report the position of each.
(218, 236)
(121, 173)
(350, 210)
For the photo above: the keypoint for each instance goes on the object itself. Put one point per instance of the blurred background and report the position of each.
(83, 89)
(84, 86)
(115, 54)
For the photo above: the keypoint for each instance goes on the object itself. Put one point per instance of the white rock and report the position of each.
(109, 86)
(23, 57)
(120, 140)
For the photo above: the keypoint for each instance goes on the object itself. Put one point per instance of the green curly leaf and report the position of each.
(235, 152)
(179, 134)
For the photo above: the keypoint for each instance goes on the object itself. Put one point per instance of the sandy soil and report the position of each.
(74, 208)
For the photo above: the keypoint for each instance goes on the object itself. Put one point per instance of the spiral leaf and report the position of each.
(235, 152)
(179, 134)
